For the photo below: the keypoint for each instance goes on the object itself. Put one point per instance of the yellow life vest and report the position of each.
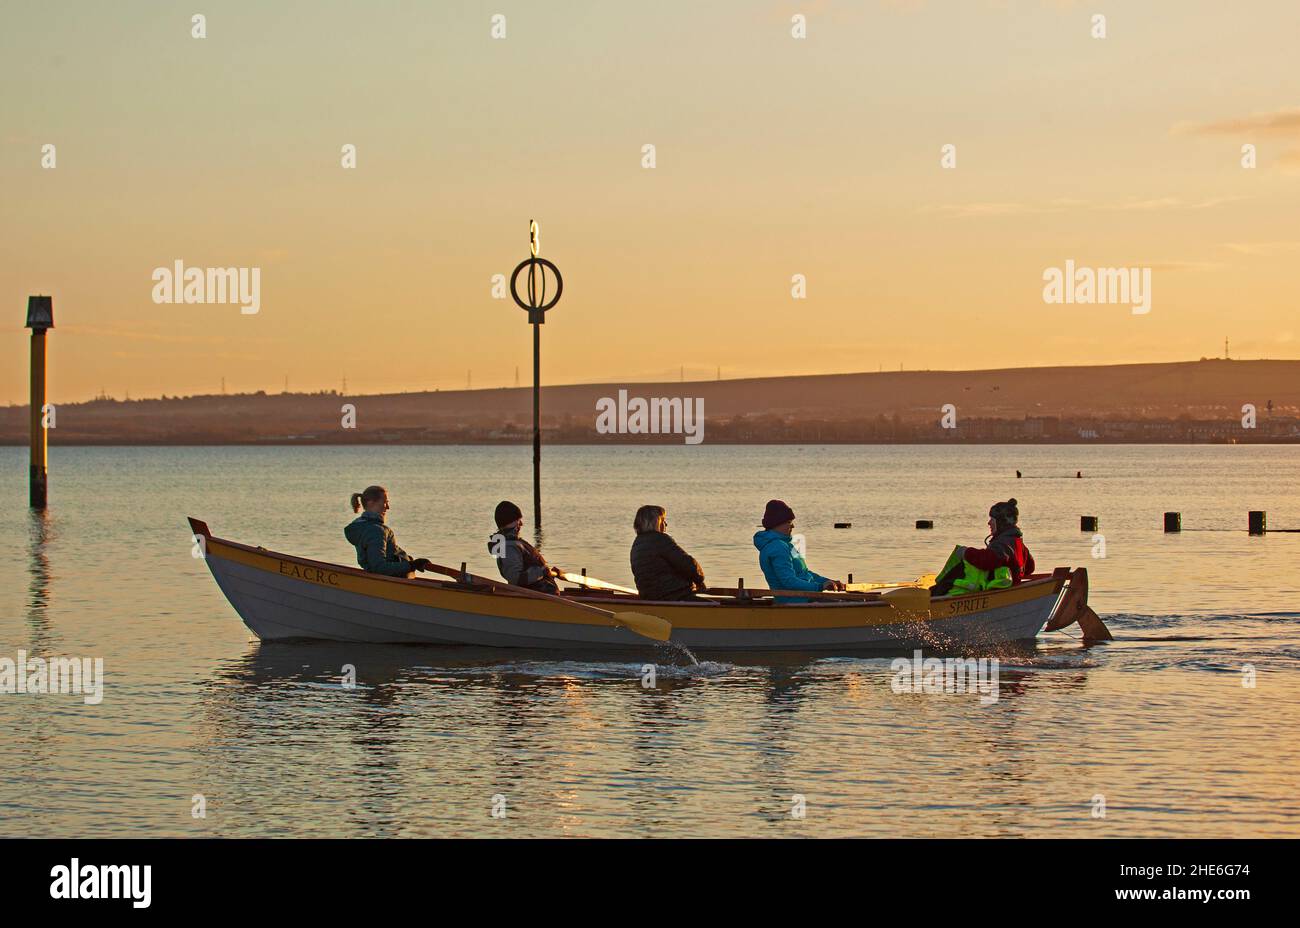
(975, 580)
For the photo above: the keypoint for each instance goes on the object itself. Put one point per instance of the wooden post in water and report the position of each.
(40, 319)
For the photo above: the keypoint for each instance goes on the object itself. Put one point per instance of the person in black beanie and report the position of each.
(782, 563)
(519, 562)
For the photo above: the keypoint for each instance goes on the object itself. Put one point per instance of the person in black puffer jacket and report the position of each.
(663, 571)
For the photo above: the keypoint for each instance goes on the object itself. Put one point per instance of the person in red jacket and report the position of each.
(1005, 547)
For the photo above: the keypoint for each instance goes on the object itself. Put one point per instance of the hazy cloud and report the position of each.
(1173, 203)
(141, 336)
(1006, 208)
(1283, 123)
(1278, 122)
(159, 337)
(1289, 161)
(982, 209)
(199, 355)
(1262, 248)
(1181, 265)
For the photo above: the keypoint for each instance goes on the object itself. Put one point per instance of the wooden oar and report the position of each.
(648, 626)
(914, 599)
(926, 581)
(827, 595)
(905, 599)
(594, 583)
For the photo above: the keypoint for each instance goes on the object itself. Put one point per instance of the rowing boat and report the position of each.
(281, 596)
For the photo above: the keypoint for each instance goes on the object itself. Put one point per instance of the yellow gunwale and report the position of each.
(831, 615)
(447, 594)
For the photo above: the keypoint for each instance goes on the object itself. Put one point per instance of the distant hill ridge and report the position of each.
(1196, 389)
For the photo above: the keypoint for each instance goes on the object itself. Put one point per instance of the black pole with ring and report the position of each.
(536, 307)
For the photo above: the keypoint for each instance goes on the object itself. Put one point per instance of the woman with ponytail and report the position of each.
(377, 550)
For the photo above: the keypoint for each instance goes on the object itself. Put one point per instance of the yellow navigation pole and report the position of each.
(40, 318)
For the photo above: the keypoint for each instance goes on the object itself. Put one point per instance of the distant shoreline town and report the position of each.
(1205, 402)
(1034, 431)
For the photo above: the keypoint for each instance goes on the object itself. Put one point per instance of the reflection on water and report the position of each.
(32, 737)
(40, 533)
(1158, 722)
(430, 735)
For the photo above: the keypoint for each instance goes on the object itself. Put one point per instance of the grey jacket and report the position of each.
(519, 562)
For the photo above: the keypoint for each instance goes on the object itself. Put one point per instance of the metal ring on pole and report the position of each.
(537, 304)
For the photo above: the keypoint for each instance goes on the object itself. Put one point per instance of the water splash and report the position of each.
(677, 646)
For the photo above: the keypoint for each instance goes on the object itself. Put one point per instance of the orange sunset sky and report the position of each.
(775, 156)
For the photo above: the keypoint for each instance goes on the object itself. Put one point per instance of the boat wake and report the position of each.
(1194, 626)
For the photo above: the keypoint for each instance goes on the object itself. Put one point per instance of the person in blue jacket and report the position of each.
(783, 566)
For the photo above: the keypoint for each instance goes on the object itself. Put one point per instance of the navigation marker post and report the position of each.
(536, 307)
(40, 318)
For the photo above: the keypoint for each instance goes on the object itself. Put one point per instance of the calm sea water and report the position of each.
(1157, 723)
